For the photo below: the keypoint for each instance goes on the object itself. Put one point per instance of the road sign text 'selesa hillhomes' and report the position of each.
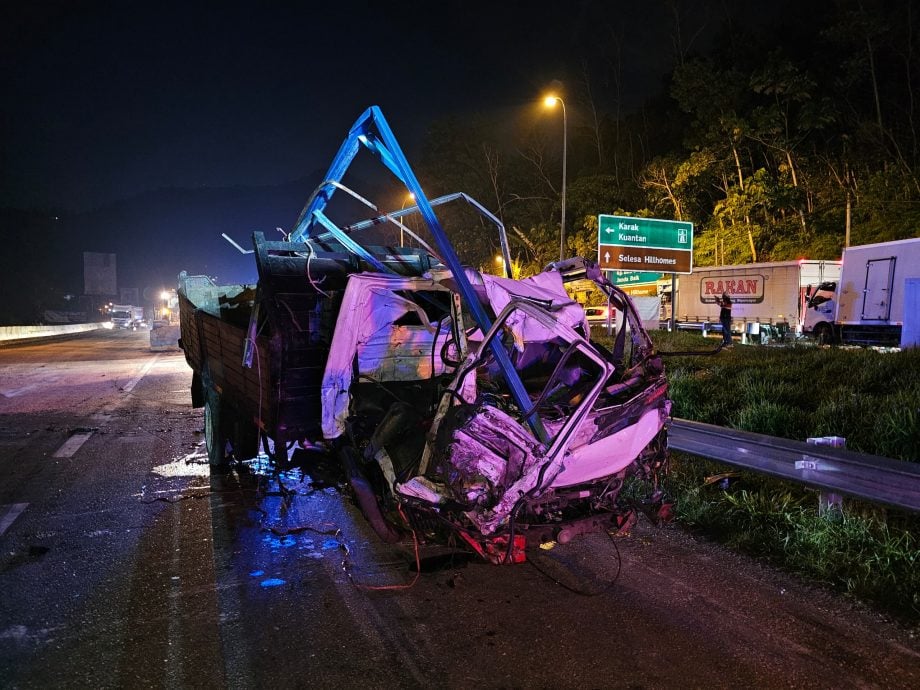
(644, 244)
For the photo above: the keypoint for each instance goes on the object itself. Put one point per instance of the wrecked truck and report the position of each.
(463, 407)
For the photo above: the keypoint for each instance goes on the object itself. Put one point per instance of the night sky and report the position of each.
(104, 102)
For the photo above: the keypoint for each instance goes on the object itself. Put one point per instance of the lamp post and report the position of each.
(402, 221)
(164, 295)
(550, 102)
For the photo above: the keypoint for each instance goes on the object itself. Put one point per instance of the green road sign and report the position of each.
(633, 277)
(644, 244)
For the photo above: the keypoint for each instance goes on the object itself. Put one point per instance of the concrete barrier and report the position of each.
(165, 337)
(23, 332)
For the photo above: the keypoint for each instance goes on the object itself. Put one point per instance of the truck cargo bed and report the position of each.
(275, 383)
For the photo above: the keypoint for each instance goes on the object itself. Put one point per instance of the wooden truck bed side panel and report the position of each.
(215, 347)
(246, 388)
(188, 329)
(280, 392)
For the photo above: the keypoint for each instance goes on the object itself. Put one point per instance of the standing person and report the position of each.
(725, 318)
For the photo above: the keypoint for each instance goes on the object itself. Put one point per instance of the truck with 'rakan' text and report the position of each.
(769, 300)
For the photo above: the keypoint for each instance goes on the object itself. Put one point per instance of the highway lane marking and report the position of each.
(10, 513)
(133, 382)
(72, 445)
(13, 392)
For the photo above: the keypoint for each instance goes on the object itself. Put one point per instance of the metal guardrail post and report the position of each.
(830, 503)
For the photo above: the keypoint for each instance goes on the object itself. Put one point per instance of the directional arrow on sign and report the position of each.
(644, 244)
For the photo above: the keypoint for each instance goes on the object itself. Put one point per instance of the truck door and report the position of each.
(877, 295)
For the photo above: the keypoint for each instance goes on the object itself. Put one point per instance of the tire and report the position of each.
(245, 439)
(215, 434)
(824, 334)
(365, 497)
(198, 390)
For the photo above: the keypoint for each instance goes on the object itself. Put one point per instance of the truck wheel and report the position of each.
(215, 435)
(198, 391)
(245, 440)
(365, 497)
(824, 334)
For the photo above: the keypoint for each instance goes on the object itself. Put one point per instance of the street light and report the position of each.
(409, 197)
(164, 312)
(550, 102)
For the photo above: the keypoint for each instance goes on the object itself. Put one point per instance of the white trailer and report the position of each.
(769, 299)
(867, 305)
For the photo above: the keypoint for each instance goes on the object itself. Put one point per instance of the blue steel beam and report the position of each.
(384, 146)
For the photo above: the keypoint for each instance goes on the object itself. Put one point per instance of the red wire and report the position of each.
(418, 568)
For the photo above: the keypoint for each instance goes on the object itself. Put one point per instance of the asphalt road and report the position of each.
(125, 563)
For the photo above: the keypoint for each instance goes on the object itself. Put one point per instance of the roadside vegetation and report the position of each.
(870, 398)
(778, 143)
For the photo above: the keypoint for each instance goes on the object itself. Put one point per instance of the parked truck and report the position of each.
(461, 407)
(866, 304)
(127, 316)
(769, 300)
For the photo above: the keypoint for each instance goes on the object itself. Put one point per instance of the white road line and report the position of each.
(133, 382)
(72, 445)
(13, 392)
(10, 512)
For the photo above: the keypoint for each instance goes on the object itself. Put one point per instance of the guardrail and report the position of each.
(13, 333)
(833, 471)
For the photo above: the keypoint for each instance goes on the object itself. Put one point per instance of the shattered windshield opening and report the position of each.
(555, 374)
(557, 367)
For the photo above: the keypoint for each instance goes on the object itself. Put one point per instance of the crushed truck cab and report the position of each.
(444, 432)
(462, 406)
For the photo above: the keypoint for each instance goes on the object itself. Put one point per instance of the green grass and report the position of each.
(797, 391)
(870, 398)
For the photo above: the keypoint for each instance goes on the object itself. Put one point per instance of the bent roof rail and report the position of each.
(394, 216)
(372, 131)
